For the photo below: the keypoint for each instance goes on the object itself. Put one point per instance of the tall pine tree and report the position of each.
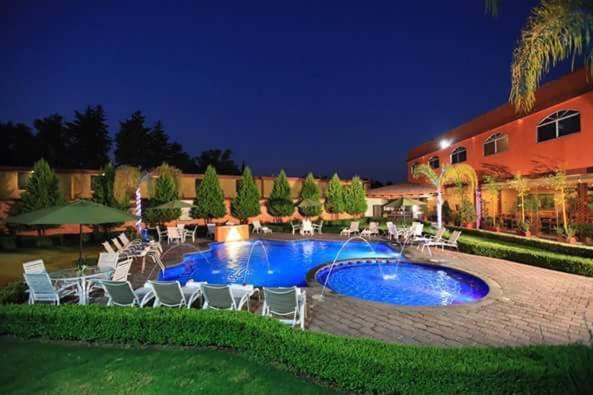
(246, 204)
(52, 141)
(334, 197)
(310, 205)
(280, 203)
(18, 146)
(103, 187)
(355, 198)
(89, 137)
(165, 190)
(209, 201)
(132, 143)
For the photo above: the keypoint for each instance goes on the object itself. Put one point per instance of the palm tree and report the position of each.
(452, 173)
(555, 31)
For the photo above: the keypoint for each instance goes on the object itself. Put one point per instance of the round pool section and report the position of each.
(403, 283)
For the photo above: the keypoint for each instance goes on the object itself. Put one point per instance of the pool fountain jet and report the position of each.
(331, 268)
(270, 271)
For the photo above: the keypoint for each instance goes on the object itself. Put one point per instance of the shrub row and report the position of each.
(548, 245)
(525, 254)
(351, 364)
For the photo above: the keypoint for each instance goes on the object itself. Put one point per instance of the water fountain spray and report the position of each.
(249, 258)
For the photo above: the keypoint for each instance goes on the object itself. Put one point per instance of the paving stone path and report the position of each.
(526, 305)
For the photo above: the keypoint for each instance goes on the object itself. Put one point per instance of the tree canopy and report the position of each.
(246, 204)
(280, 202)
(556, 30)
(165, 190)
(209, 201)
(334, 197)
(311, 195)
(221, 160)
(89, 138)
(355, 202)
(42, 189)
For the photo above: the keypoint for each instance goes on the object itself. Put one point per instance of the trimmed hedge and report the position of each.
(548, 245)
(351, 364)
(529, 255)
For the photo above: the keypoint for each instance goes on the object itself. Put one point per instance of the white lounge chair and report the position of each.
(41, 288)
(288, 303)
(227, 297)
(171, 294)
(108, 247)
(451, 242)
(392, 232)
(120, 293)
(258, 228)
(117, 271)
(372, 230)
(107, 261)
(354, 229)
(307, 228)
(36, 266)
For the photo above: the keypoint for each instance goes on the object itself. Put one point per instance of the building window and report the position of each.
(237, 185)
(434, 162)
(559, 124)
(496, 143)
(197, 183)
(459, 155)
(23, 179)
(413, 167)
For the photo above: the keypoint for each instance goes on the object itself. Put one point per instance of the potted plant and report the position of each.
(524, 229)
(570, 234)
(467, 214)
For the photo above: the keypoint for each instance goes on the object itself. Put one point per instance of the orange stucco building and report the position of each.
(556, 135)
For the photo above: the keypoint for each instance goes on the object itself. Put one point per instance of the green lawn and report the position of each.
(55, 258)
(35, 367)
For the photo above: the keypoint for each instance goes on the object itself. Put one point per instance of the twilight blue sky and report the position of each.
(345, 86)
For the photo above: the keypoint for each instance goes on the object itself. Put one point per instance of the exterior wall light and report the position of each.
(444, 143)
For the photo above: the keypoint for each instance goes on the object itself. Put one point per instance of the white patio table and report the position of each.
(69, 276)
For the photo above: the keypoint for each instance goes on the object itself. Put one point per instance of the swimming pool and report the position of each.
(287, 262)
(403, 283)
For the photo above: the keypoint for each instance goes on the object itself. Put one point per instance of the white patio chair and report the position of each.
(306, 228)
(423, 240)
(190, 234)
(318, 227)
(451, 242)
(288, 303)
(162, 235)
(258, 228)
(354, 229)
(107, 261)
(227, 297)
(41, 288)
(372, 230)
(295, 227)
(210, 228)
(171, 294)
(121, 293)
(173, 235)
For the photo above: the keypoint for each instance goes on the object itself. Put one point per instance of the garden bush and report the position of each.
(547, 245)
(351, 364)
(13, 293)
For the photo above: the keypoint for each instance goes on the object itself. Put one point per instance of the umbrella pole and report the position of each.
(80, 246)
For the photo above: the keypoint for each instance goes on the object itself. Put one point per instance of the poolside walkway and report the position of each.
(526, 305)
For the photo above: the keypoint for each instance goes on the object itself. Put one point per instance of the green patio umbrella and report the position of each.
(402, 202)
(81, 212)
(172, 204)
(306, 203)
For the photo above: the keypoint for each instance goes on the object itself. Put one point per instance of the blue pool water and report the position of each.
(403, 283)
(289, 261)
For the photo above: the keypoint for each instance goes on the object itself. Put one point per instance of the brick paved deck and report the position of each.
(526, 305)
